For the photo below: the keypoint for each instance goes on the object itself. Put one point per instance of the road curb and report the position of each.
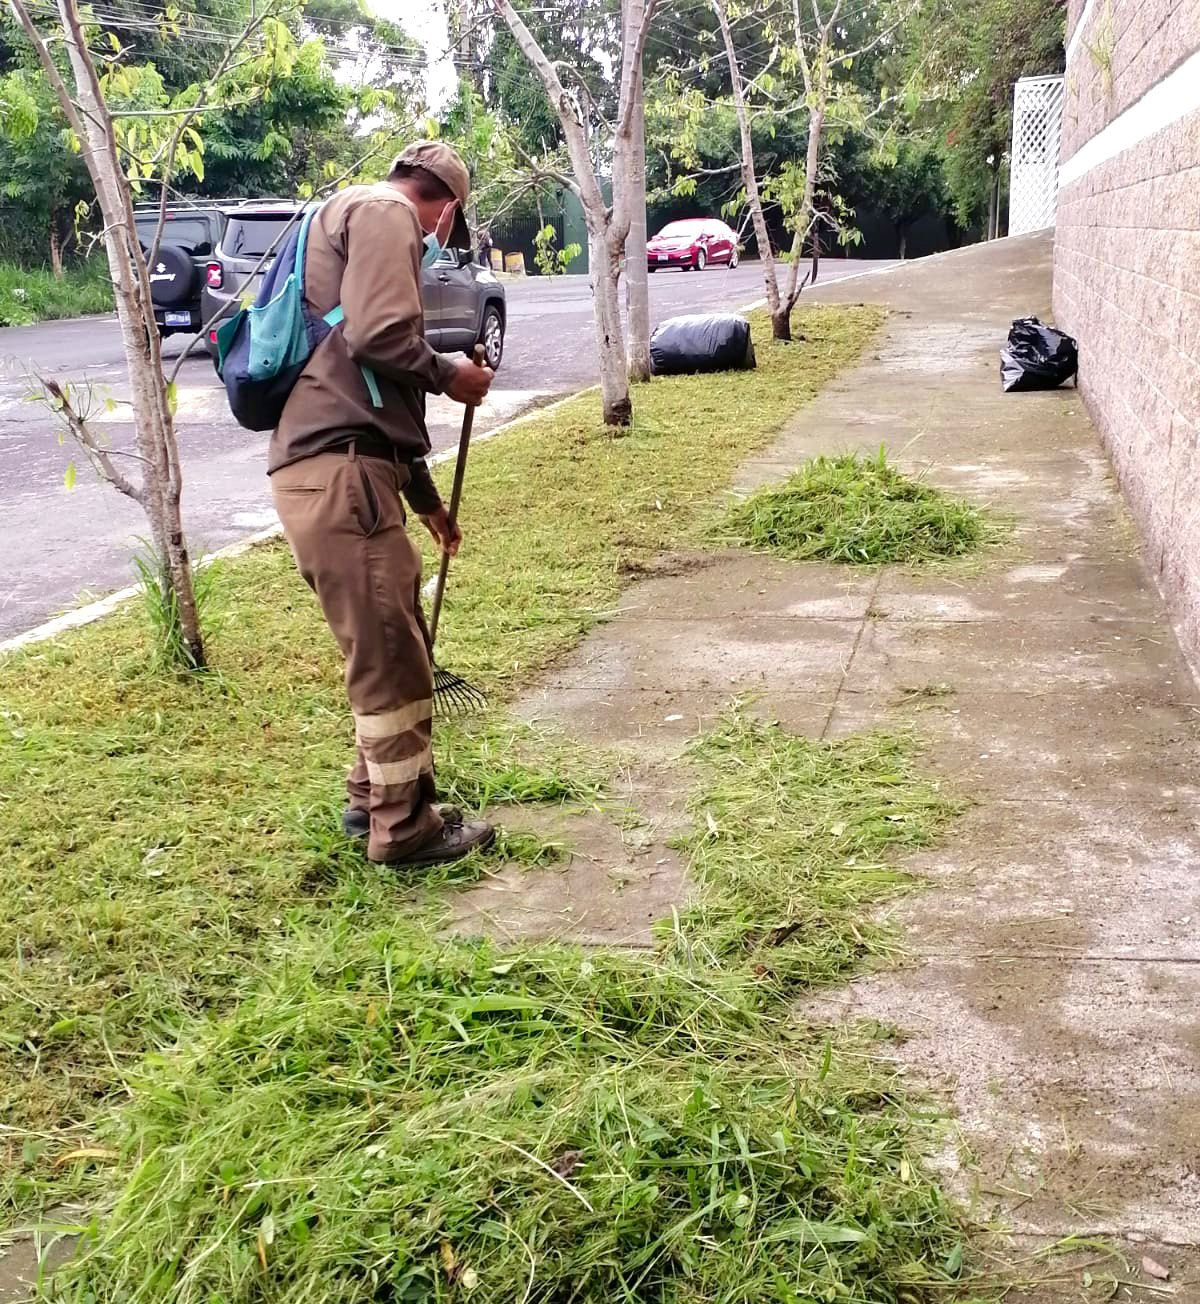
(93, 611)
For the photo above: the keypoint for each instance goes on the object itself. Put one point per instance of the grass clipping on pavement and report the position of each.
(860, 510)
(398, 1116)
(278, 1079)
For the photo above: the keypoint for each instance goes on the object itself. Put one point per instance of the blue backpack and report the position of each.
(262, 350)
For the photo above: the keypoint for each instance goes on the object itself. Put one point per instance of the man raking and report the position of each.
(351, 440)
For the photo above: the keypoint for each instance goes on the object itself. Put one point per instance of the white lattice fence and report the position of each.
(1037, 133)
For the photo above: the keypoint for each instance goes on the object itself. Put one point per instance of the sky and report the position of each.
(427, 22)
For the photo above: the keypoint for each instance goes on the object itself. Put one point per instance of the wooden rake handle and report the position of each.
(460, 472)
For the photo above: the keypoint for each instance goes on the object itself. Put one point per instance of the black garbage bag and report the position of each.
(1037, 356)
(718, 341)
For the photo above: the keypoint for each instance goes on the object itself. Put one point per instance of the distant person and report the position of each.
(485, 247)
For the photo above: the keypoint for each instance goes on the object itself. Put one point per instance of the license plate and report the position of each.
(177, 318)
(662, 258)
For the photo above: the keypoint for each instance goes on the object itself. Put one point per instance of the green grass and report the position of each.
(392, 1115)
(28, 296)
(161, 828)
(859, 510)
(288, 1084)
(791, 847)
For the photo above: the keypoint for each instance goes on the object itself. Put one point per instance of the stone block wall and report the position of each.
(1127, 265)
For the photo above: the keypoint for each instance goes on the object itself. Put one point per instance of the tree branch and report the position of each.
(880, 36)
(97, 454)
(588, 190)
(543, 170)
(190, 115)
(631, 67)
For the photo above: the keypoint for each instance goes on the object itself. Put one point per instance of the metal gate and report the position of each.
(1037, 133)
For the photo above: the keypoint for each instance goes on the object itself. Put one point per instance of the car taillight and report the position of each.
(216, 278)
(212, 337)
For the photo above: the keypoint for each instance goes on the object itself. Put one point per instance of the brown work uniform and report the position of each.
(338, 464)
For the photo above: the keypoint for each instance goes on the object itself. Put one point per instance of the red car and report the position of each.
(696, 242)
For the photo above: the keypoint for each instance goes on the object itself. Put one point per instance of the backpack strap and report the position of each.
(334, 317)
(301, 248)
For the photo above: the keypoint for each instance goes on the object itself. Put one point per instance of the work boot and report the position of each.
(450, 842)
(357, 823)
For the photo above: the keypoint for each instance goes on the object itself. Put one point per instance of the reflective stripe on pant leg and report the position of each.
(346, 525)
(390, 678)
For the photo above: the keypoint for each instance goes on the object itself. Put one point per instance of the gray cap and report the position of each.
(436, 157)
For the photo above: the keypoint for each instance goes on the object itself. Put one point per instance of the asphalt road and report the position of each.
(60, 546)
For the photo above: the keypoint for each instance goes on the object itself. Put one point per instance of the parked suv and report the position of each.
(185, 256)
(464, 301)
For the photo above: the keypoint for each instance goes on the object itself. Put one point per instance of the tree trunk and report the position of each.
(903, 242)
(637, 282)
(781, 323)
(993, 206)
(749, 174)
(610, 345)
(56, 261)
(153, 426)
(606, 231)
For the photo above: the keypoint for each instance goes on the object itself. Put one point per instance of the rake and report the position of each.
(452, 694)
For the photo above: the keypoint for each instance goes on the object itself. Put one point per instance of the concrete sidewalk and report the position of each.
(1056, 999)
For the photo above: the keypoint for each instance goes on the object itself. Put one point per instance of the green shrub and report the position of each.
(32, 295)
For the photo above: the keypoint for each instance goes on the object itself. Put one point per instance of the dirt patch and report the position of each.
(618, 875)
(668, 563)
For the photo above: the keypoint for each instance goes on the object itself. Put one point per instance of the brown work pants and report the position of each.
(343, 517)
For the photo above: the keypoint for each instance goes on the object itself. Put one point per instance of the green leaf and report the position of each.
(815, 1233)
(954, 1261)
(69, 475)
(826, 1061)
(172, 397)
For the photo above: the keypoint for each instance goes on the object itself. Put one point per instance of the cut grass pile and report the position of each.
(821, 819)
(32, 295)
(273, 1075)
(859, 510)
(397, 1116)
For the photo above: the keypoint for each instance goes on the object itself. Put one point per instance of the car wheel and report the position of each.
(651, 270)
(491, 336)
(701, 260)
(733, 259)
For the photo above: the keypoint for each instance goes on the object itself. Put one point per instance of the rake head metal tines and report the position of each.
(454, 696)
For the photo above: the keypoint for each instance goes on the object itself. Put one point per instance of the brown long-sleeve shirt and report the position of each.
(364, 252)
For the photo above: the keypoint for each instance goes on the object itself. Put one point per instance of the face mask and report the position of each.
(433, 250)
(433, 245)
